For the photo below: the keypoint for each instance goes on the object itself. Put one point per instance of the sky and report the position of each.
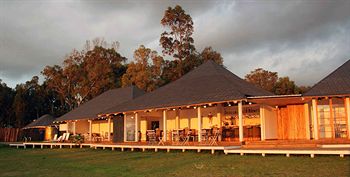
(305, 40)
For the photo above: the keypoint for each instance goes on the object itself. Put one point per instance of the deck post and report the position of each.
(307, 120)
(199, 123)
(262, 123)
(240, 117)
(177, 120)
(90, 130)
(219, 116)
(314, 116)
(347, 105)
(136, 127)
(109, 129)
(164, 125)
(74, 122)
(124, 117)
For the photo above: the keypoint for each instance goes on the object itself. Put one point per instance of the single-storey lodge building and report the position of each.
(210, 101)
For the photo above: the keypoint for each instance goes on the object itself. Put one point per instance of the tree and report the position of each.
(178, 41)
(263, 79)
(209, 54)
(285, 86)
(28, 102)
(303, 89)
(6, 100)
(142, 73)
(86, 74)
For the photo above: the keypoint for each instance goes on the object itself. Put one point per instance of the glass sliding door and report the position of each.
(324, 118)
(130, 127)
(339, 115)
(332, 118)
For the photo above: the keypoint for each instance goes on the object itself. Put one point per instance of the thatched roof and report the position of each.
(42, 122)
(208, 83)
(108, 99)
(336, 83)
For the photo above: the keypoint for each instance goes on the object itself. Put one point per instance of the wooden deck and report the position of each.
(284, 148)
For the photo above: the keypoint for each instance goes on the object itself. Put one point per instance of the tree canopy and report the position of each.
(143, 73)
(271, 82)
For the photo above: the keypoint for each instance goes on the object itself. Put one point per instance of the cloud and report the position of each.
(303, 40)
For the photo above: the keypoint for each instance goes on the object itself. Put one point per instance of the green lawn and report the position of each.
(88, 162)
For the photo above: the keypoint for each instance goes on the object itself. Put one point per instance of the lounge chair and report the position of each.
(54, 138)
(66, 138)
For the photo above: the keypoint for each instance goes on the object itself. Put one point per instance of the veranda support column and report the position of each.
(307, 120)
(164, 125)
(262, 123)
(74, 132)
(240, 117)
(219, 114)
(314, 116)
(136, 127)
(109, 129)
(124, 117)
(177, 123)
(199, 115)
(90, 130)
(347, 105)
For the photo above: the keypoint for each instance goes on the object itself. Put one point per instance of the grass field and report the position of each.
(89, 163)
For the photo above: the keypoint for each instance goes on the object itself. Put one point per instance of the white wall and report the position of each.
(270, 123)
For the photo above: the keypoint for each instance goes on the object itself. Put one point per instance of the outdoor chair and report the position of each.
(160, 137)
(63, 137)
(152, 139)
(187, 135)
(55, 138)
(67, 137)
(213, 139)
(175, 137)
(204, 137)
(59, 139)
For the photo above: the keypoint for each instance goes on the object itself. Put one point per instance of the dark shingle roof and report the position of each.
(209, 82)
(336, 83)
(90, 109)
(43, 121)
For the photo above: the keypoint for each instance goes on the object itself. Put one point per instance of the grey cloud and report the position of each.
(303, 40)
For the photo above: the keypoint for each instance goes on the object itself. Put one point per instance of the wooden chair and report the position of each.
(152, 139)
(160, 137)
(186, 137)
(175, 137)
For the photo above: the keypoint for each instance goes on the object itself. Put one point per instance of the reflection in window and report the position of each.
(130, 128)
